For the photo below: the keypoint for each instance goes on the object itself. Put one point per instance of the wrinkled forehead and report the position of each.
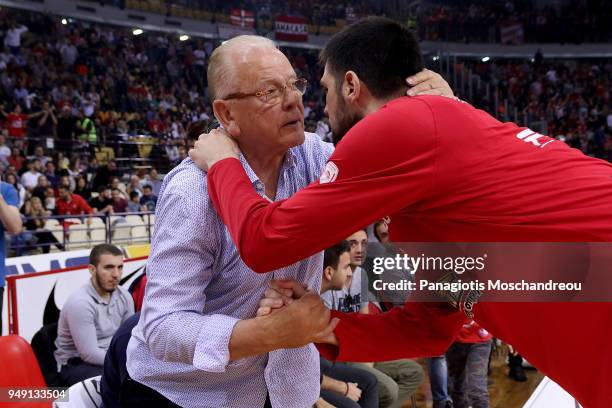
(262, 65)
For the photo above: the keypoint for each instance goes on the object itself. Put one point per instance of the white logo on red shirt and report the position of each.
(529, 136)
(329, 174)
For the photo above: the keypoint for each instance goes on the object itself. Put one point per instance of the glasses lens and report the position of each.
(300, 85)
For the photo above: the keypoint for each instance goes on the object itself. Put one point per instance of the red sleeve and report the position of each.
(384, 163)
(414, 331)
(84, 206)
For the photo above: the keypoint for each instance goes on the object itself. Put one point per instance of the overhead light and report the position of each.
(184, 37)
(485, 59)
(64, 21)
(435, 58)
(137, 31)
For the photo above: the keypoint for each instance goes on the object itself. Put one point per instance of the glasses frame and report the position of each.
(263, 95)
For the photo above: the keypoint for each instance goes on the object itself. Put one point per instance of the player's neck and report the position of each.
(374, 104)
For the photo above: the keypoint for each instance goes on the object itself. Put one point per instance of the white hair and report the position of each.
(221, 67)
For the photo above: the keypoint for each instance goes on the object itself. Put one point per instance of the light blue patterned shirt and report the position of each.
(198, 288)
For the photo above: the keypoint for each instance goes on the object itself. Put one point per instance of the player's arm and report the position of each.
(415, 330)
(383, 164)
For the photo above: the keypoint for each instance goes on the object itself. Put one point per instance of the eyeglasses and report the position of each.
(273, 94)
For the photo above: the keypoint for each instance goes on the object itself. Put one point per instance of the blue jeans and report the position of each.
(438, 377)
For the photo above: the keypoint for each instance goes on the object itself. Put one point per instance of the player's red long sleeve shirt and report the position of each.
(447, 172)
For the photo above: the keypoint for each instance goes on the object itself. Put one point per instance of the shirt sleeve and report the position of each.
(85, 207)
(416, 330)
(10, 195)
(81, 322)
(385, 163)
(173, 321)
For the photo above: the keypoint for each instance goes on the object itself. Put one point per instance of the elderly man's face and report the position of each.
(262, 125)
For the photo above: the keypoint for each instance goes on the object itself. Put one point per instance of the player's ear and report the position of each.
(352, 86)
(223, 113)
(328, 273)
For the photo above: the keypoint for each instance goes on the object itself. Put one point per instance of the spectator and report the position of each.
(134, 185)
(36, 218)
(50, 174)
(381, 231)
(398, 379)
(105, 174)
(134, 205)
(29, 179)
(148, 199)
(91, 316)
(47, 124)
(16, 159)
(39, 154)
(103, 203)
(82, 189)
(117, 184)
(10, 221)
(120, 204)
(11, 179)
(5, 151)
(50, 200)
(66, 128)
(16, 121)
(468, 362)
(155, 181)
(72, 204)
(342, 385)
(13, 37)
(40, 190)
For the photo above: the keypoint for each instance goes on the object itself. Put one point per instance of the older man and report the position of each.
(198, 343)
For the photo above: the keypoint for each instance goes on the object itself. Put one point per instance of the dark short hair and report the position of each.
(382, 52)
(331, 256)
(64, 187)
(134, 194)
(195, 129)
(147, 186)
(103, 249)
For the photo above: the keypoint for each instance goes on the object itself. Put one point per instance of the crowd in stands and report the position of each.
(446, 20)
(481, 21)
(69, 91)
(571, 100)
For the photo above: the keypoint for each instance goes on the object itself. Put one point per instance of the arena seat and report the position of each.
(78, 236)
(20, 369)
(51, 222)
(43, 345)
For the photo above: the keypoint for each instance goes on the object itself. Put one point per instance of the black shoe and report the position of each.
(443, 404)
(515, 362)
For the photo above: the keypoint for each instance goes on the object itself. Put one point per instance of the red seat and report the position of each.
(19, 369)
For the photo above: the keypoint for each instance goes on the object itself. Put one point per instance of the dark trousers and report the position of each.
(77, 370)
(135, 394)
(365, 380)
(467, 371)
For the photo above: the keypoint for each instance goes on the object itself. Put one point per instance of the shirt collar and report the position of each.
(94, 293)
(289, 161)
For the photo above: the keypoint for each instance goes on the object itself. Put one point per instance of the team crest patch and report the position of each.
(329, 174)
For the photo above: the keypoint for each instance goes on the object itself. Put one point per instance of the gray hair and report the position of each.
(221, 66)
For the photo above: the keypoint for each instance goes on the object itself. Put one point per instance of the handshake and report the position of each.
(295, 316)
